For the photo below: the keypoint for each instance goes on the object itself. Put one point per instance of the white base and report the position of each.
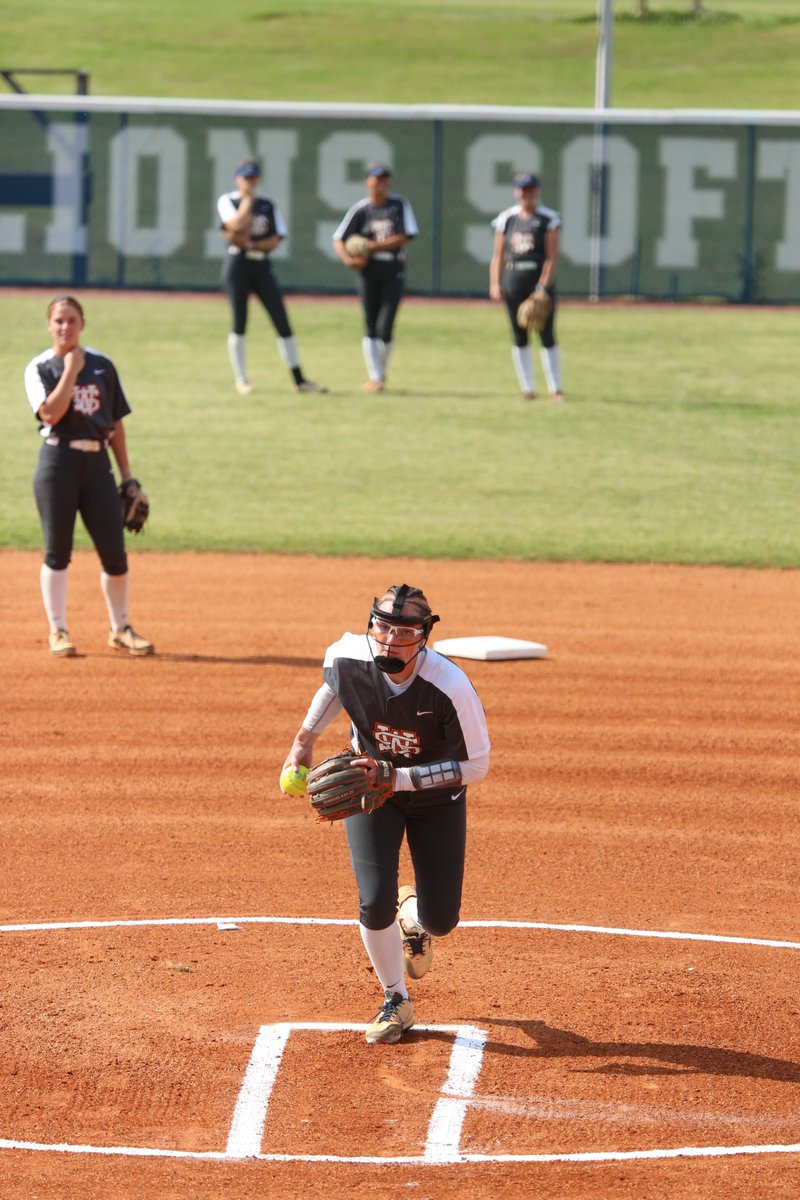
(490, 648)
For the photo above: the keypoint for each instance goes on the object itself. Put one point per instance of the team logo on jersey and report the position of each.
(396, 741)
(382, 229)
(521, 243)
(259, 227)
(86, 398)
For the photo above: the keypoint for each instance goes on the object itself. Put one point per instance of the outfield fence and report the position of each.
(121, 192)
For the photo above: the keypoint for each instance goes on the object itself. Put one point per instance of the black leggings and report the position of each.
(240, 277)
(437, 843)
(380, 286)
(516, 286)
(67, 482)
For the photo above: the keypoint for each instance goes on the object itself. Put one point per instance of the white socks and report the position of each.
(236, 353)
(385, 950)
(551, 365)
(522, 358)
(116, 590)
(54, 585)
(523, 364)
(374, 351)
(287, 348)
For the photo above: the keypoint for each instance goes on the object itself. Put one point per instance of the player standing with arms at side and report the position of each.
(387, 221)
(252, 227)
(525, 255)
(415, 710)
(77, 397)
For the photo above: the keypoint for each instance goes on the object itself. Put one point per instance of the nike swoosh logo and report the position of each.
(100, 372)
(428, 712)
(458, 795)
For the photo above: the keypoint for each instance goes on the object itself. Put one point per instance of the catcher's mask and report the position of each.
(381, 623)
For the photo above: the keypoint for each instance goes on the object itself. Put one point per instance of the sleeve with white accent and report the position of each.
(226, 208)
(323, 710)
(411, 229)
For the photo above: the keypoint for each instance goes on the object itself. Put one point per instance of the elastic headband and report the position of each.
(403, 593)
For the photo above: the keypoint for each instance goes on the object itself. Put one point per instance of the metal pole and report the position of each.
(602, 100)
(605, 48)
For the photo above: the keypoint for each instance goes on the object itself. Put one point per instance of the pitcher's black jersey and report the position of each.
(438, 716)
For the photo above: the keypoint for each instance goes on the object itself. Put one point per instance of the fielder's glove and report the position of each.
(135, 505)
(338, 788)
(358, 246)
(534, 311)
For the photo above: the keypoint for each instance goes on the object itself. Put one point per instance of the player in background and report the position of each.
(525, 254)
(77, 397)
(252, 227)
(417, 710)
(388, 222)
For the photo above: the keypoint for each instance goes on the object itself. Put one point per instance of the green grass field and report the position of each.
(737, 54)
(679, 441)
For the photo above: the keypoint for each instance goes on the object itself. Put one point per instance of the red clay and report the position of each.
(644, 777)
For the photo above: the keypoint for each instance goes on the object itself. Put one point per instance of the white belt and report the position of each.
(256, 255)
(89, 445)
(521, 267)
(383, 256)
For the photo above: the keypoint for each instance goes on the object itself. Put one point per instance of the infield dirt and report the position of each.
(644, 778)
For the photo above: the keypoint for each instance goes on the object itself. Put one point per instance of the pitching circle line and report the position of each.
(410, 1160)
(607, 930)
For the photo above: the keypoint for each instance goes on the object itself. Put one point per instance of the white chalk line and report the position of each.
(603, 930)
(414, 1160)
(444, 1128)
(442, 1146)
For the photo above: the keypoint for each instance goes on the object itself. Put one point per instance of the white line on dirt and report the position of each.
(608, 931)
(589, 1156)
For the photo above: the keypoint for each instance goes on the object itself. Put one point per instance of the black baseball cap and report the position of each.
(525, 180)
(377, 171)
(248, 170)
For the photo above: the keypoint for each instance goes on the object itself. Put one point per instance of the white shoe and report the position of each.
(128, 639)
(61, 644)
(243, 387)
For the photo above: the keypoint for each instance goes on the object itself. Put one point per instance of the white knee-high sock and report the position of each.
(116, 593)
(523, 364)
(373, 357)
(386, 349)
(55, 586)
(551, 365)
(385, 950)
(290, 355)
(237, 346)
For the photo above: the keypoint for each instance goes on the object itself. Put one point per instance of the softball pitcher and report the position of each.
(417, 713)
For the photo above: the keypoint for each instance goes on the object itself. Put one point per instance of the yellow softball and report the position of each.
(294, 780)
